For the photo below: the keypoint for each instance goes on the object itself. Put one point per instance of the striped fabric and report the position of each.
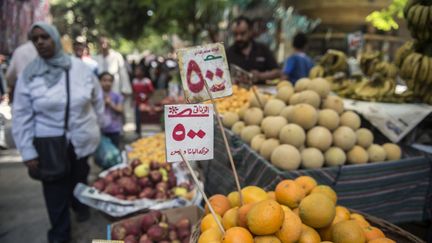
(397, 191)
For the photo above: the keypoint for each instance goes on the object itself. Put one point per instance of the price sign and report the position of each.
(201, 64)
(189, 128)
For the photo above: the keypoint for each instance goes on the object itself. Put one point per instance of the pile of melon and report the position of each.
(297, 210)
(304, 126)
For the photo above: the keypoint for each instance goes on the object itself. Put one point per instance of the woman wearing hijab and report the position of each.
(57, 98)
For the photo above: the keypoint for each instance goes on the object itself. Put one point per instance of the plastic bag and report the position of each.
(107, 155)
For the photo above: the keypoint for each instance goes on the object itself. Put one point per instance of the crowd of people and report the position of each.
(59, 101)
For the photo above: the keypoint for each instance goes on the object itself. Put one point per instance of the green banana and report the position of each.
(423, 70)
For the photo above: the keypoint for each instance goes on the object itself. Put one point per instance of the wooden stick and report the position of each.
(226, 143)
(221, 228)
(257, 96)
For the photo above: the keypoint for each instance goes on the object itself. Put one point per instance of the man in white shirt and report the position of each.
(81, 51)
(111, 61)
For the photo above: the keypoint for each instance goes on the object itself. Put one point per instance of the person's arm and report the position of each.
(266, 75)
(23, 123)
(118, 105)
(271, 68)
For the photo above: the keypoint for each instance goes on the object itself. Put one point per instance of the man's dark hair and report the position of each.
(300, 41)
(245, 19)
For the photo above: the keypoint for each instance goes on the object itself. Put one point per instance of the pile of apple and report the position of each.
(152, 227)
(138, 181)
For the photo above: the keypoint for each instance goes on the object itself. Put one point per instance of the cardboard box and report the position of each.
(193, 213)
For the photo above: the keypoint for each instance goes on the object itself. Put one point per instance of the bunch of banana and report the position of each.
(368, 60)
(418, 14)
(386, 69)
(378, 86)
(317, 71)
(402, 52)
(334, 61)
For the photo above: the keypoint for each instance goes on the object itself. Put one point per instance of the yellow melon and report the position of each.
(393, 151)
(302, 84)
(229, 118)
(304, 115)
(376, 153)
(285, 94)
(257, 141)
(357, 155)
(249, 132)
(286, 157)
(333, 102)
(273, 107)
(253, 116)
(238, 127)
(321, 86)
(274, 126)
(350, 119)
(283, 83)
(329, 119)
(335, 156)
(309, 97)
(312, 158)
(253, 102)
(267, 147)
(344, 137)
(295, 99)
(242, 111)
(286, 112)
(319, 137)
(292, 134)
(364, 137)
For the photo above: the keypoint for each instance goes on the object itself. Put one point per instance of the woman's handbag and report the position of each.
(54, 162)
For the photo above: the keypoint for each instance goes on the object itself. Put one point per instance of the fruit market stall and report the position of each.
(294, 210)
(302, 129)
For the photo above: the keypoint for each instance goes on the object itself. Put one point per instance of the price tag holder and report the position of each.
(207, 63)
(190, 129)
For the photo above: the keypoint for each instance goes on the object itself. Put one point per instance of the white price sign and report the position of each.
(189, 128)
(204, 64)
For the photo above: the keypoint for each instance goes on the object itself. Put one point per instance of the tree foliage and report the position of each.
(384, 19)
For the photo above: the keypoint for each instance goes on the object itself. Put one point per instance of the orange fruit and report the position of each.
(209, 222)
(234, 199)
(253, 194)
(326, 190)
(317, 210)
(210, 235)
(382, 240)
(348, 231)
(291, 228)
(229, 219)
(265, 217)
(285, 208)
(309, 235)
(307, 183)
(267, 239)
(296, 211)
(342, 213)
(220, 204)
(326, 232)
(271, 195)
(372, 233)
(362, 222)
(242, 214)
(289, 193)
(237, 235)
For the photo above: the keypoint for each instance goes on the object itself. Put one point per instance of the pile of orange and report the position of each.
(235, 102)
(296, 211)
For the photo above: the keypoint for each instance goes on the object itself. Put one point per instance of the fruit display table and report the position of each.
(397, 191)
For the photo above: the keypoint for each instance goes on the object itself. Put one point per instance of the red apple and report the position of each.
(99, 184)
(113, 189)
(130, 239)
(156, 233)
(147, 193)
(135, 163)
(145, 182)
(155, 176)
(154, 165)
(162, 186)
(132, 226)
(183, 223)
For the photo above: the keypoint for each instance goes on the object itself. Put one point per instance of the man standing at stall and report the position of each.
(250, 55)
